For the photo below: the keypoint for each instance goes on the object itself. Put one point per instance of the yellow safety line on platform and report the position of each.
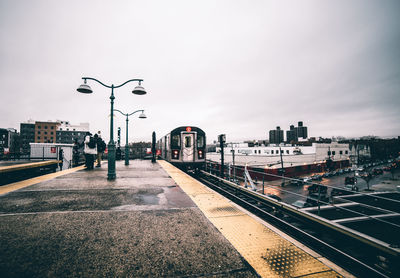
(268, 252)
(21, 184)
(17, 167)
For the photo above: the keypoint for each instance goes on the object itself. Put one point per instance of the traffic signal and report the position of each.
(119, 136)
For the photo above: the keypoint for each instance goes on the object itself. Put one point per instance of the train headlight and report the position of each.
(175, 154)
(201, 154)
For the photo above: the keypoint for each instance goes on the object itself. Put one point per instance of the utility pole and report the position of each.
(153, 148)
(222, 139)
(282, 170)
(233, 162)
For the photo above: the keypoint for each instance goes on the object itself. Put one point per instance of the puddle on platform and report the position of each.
(149, 199)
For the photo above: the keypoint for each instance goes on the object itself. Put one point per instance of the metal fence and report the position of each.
(72, 156)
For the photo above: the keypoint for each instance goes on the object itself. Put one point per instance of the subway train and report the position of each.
(184, 147)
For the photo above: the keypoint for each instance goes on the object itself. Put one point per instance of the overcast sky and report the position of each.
(235, 67)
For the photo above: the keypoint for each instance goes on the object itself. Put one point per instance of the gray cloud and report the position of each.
(233, 67)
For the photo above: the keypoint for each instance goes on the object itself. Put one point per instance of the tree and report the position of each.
(367, 178)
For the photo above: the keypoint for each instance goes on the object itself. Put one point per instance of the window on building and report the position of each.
(60, 128)
(272, 151)
(38, 132)
(52, 127)
(38, 137)
(74, 129)
(287, 151)
(329, 153)
(39, 127)
(346, 152)
(340, 152)
(45, 127)
(45, 132)
(255, 151)
(333, 152)
(52, 133)
(45, 138)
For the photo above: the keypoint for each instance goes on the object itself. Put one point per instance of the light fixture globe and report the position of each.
(85, 89)
(139, 90)
(142, 116)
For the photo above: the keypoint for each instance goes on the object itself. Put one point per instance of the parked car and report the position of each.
(301, 204)
(350, 180)
(307, 179)
(314, 188)
(316, 177)
(351, 187)
(377, 171)
(340, 192)
(327, 175)
(296, 183)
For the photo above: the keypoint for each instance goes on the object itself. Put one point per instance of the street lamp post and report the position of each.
(85, 89)
(141, 116)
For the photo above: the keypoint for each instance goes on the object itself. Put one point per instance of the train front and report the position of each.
(188, 147)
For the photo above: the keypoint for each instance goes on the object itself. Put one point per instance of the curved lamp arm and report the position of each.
(140, 80)
(136, 112)
(127, 115)
(121, 112)
(94, 79)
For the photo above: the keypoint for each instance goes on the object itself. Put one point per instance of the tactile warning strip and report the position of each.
(268, 253)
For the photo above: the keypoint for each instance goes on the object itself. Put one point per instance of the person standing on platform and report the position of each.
(90, 150)
(60, 158)
(75, 153)
(101, 146)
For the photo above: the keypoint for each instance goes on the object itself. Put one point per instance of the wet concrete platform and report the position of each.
(140, 225)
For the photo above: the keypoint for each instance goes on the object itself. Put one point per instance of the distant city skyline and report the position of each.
(229, 67)
(210, 139)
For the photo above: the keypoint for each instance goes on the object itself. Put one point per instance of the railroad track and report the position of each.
(352, 252)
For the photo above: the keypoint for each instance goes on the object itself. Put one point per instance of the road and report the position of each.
(291, 193)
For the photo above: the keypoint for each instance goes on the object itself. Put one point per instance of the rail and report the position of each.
(258, 202)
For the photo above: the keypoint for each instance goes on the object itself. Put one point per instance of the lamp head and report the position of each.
(142, 116)
(85, 88)
(139, 90)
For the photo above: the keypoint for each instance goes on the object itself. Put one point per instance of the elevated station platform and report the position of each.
(12, 171)
(152, 221)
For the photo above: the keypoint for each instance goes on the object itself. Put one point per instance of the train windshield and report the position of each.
(188, 141)
(175, 141)
(200, 141)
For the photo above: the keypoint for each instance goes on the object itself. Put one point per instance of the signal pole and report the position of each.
(282, 170)
(222, 139)
(153, 147)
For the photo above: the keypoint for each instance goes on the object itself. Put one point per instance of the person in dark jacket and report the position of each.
(61, 158)
(101, 146)
(90, 151)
